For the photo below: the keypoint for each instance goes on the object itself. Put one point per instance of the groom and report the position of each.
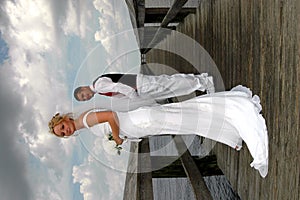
(138, 85)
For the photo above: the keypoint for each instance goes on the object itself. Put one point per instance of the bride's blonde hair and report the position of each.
(57, 119)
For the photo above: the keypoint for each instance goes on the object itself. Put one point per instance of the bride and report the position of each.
(229, 117)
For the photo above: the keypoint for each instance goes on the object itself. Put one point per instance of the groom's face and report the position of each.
(85, 94)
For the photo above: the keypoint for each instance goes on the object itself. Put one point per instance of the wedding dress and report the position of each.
(229, 117)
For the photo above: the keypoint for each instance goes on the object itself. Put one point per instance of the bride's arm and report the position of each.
(106, 116)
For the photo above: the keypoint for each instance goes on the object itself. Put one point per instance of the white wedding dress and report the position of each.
(227, 117)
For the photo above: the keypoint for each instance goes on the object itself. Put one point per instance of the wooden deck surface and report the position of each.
(253, 43)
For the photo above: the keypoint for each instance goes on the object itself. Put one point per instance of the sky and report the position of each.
(47, 48)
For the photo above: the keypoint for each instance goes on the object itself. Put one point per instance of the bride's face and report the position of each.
(65, 128)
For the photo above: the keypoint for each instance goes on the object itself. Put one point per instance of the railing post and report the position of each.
(199, 187)
(144, 177)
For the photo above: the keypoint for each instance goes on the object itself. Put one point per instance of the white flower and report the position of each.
(110, 146)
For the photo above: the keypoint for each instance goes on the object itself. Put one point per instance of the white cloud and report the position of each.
(31, 25)
(115, 32)
(35, 91)
(25, 138)
(114, 18)
(34, 86)
(102, 175)
(107, 22)
(78, 18)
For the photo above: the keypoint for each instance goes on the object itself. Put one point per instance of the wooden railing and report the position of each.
(138, 184)
(143, 167)
(149, 36)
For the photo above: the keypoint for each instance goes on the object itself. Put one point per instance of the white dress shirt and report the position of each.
(105, 85)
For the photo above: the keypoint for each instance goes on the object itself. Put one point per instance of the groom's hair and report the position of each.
(76, 91)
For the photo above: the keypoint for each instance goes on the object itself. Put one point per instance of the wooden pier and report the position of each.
(257, 44)
(143, 167)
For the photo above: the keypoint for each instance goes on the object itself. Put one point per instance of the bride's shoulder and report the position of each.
(82, 119)
(93, 116)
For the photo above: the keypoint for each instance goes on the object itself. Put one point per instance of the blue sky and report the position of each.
(46, 49)
(3, 50)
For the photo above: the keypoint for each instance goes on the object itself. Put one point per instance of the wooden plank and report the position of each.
(156, 15)
(140, 21)
(208, 165)
(157, 18)
(164, 11)
(171, 166)
(168, 3)
(261, 39)
(144, 178)
(151, 32)
(140, 4)
(199, 187)
(130, 190)
(173, 11)
(132, 13)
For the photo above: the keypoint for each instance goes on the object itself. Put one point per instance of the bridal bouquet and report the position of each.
(111, 144)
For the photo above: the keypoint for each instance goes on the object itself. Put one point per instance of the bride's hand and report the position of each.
(119, 141)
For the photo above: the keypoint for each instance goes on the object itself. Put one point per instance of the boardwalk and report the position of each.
(254, 43)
